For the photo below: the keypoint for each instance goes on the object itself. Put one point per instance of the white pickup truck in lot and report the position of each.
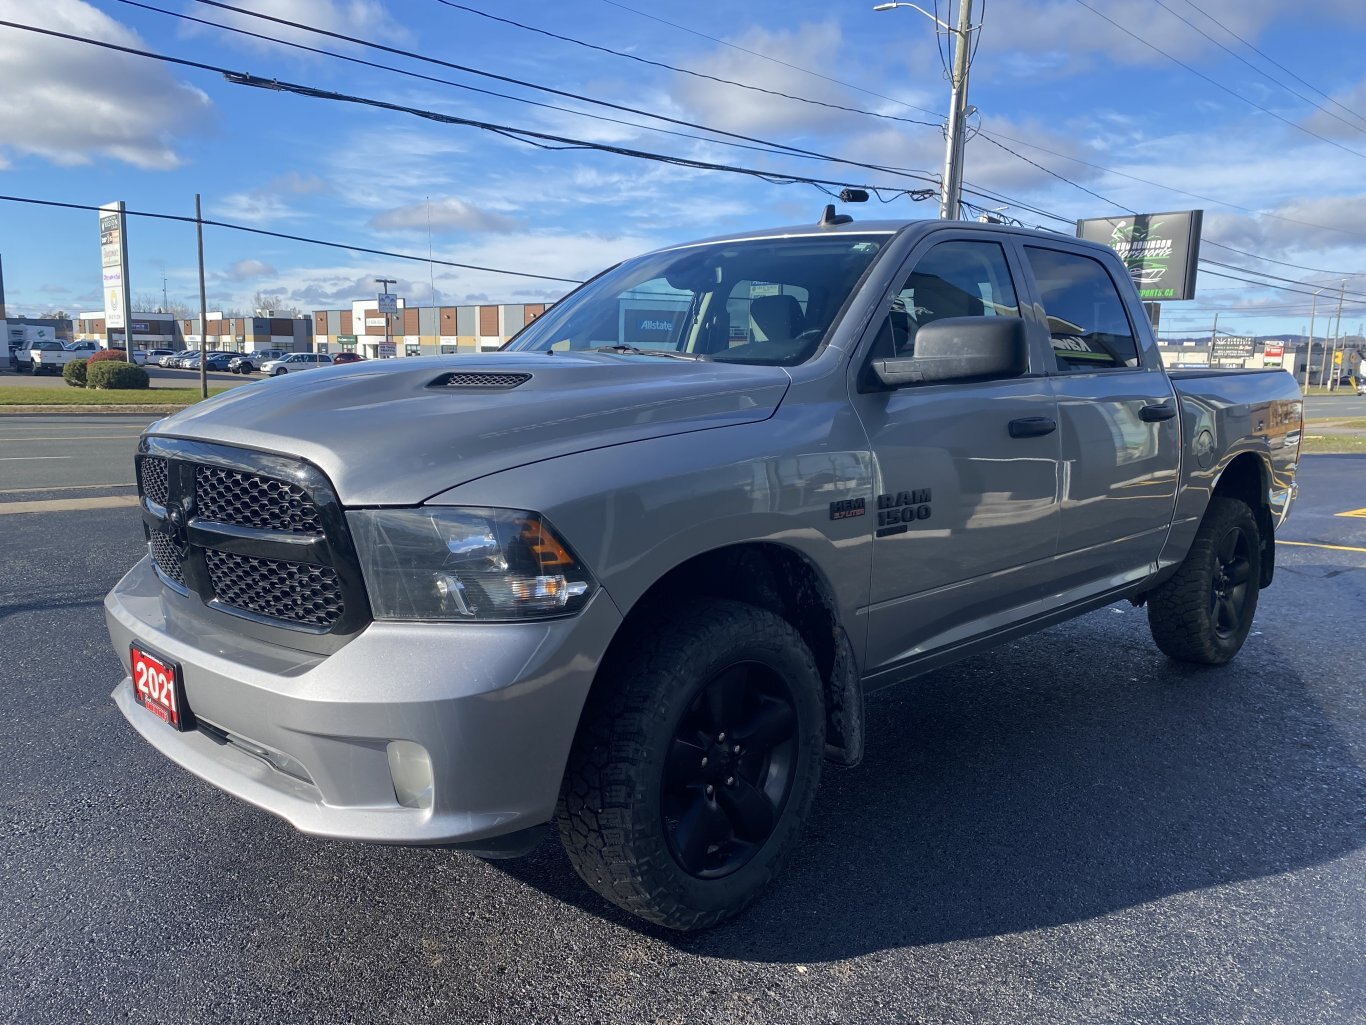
(632, 577)
(52, 357)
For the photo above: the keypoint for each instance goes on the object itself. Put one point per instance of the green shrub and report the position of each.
(108, 354)
(74, 373)
(115, 374)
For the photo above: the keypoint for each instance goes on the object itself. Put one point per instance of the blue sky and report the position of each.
(1280, 169)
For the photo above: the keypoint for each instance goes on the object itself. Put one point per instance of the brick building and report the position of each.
(420, 330)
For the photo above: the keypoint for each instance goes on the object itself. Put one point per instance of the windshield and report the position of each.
(768, 301)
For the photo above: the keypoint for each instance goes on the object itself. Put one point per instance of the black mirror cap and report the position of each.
(958, 349)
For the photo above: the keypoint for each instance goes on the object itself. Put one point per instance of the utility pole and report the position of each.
(203, 303)
(1212, 333)
(1337, 334)
(951, 188)
(1309, 352)
(950, 194)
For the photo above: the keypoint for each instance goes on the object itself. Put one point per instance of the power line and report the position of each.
(542, 140)
(1055, 174)
(683, 71)
(533, 85)
(1237, 56)
(1271, 60)
(1273, 277)
(446, 81)
(1217, 85)
(1265, 284)
(1283, 263)
(772, 60)
(291, 238)
(1168, 188)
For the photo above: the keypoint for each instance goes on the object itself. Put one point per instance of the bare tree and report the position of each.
(276, 306)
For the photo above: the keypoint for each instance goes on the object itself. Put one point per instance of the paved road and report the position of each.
(1069, 829)
(1347, 406)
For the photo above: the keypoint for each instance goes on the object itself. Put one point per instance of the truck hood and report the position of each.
(396, 432)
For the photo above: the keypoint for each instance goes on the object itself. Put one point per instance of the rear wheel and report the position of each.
(695, 764)
(1203, 614)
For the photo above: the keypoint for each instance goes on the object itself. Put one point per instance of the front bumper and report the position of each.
(305, 736)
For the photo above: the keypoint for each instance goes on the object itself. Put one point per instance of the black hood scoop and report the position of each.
(478, 379)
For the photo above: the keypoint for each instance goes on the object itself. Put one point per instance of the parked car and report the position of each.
(21, 357)
(342, 358)
(219, 360)
(52, 357)
(295, 362)
(168, 360)
(143, 357)
(85, 345)
(250, 362)
(638, 594)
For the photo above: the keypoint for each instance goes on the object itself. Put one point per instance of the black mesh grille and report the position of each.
(294, 592)
(165, 553)
(480, 380)
(249, 500)
(153, 471)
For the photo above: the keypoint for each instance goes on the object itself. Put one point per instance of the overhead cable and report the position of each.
(684, 71)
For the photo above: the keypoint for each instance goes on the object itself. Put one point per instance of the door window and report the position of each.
(954, 279)
(1087, 322)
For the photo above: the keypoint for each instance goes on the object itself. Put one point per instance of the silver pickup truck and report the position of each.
(633, 576)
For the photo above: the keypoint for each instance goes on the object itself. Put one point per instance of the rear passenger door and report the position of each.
(1119, 432)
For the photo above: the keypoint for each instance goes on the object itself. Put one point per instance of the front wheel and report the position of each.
(696, 762)
(1204, 612)
(279, 371)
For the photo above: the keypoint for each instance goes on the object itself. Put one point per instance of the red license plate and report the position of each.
(158, 686)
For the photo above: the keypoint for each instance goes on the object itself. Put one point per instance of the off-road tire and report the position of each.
(610, 812)
(1184, 612)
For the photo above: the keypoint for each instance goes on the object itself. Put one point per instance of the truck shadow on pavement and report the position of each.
(1047, 782)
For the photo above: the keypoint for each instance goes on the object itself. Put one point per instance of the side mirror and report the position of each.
(958, 349)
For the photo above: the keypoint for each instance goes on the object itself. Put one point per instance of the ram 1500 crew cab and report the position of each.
(633, 576)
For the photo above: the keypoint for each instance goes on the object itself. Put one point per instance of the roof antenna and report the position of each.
(829, 217)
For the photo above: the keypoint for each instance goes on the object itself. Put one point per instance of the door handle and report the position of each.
(1157, 412)
(1032, 427)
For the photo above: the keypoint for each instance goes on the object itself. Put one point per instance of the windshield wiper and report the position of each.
(637, 351)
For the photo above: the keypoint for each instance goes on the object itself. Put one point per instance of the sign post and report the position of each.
(114, 272)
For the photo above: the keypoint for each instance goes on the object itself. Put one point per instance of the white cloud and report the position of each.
(71, 105)
(250, 270)
(443, 215)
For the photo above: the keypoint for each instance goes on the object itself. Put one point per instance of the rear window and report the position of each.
(1087, 321)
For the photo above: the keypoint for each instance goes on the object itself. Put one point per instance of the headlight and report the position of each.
(438, 563)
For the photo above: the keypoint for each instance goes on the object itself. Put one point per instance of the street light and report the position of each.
(951, 190)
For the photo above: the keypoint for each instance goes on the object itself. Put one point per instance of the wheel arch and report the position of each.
(1247, 477)
(784, 581)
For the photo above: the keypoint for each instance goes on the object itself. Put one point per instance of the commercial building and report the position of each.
(149, 330)
(420, 330)
(251, 334)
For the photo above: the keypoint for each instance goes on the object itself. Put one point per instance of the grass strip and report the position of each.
(12, 396)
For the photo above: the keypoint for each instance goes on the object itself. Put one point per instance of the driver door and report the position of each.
(967, 503)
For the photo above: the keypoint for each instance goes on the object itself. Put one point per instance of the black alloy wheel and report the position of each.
(1231, 583)
(696, 761)
(729, 770)
(1204, 611)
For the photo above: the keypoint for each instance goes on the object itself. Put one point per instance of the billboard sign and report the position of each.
(1232, 347)
(1160, 250)
(114, 267)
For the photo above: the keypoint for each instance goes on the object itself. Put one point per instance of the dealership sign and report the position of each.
(1160, 250)
(1273, 354)
(1232, 347)
(114, 266)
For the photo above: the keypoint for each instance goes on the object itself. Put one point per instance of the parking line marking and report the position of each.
(73, 437)
(1313, 544)
(65, 487)
(66, 504)
(1359, 514)
(18, 459)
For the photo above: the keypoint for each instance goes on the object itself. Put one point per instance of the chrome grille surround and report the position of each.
(254, 535)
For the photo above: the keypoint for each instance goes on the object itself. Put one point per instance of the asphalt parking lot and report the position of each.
(1068, 829)
(161, 377)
